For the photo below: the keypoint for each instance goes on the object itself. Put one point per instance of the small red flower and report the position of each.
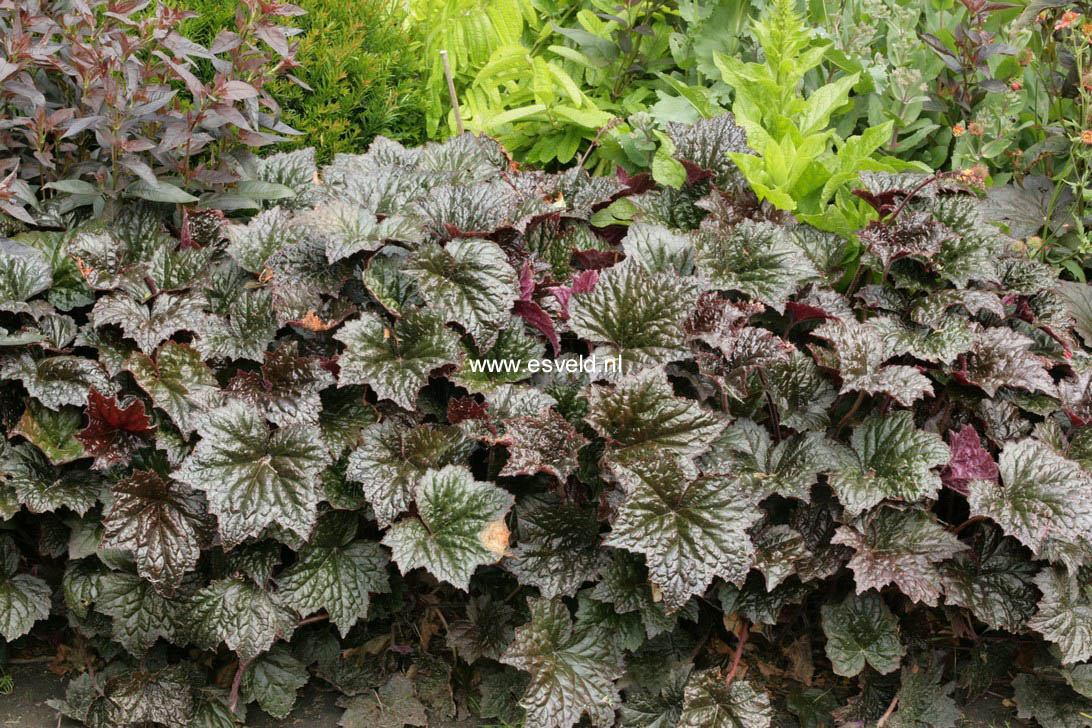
(958, 130)
(1086, 136)
(1067, 19)
(976, 128)
(1016, 86)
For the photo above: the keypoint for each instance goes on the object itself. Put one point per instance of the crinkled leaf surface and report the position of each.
(24, 272)
(254, 477)
(636, 315)
(459, 527)
(52, 431)
(178, 382)
(114, 432)
(711, 702)
(890, 458)
(240, 614)
(860, 629)
(1065, 611)
(273, 679)
(558, 547)
(287, 389)
(335, 573)
(546, 444)
(391, 458)
(1003, 358)
(56, 381)
(243, 332)
(252, 244)
(395, 361)
(24, 599)
(141, 615)
(572, 670)
(788, 468)
(1041, 495)
(150, 325)
(994, 581)
(162, 522)
(689, 528)
(468, 282)
(860, 353)
(898, 546)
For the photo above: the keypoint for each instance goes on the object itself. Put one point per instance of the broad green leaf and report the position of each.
(1065, 611)
(52, 431)
(800, 392)
(149, 326)
(659, 709)
(384, 278)
(254, 477)
(890, 458)
(393, 455)
(162, 522)
(898, 546)
(689, 528)
(178, 382)
(252, 244)
(24, 272)
(56, 381)
(468, 282)
(860, 351)
(24, 599)
(348, 229)
(950, 337)
(395, 360)
(557, 548)
(485, 632)
(925, 700)
(459, 526)
(140, 615)
(572, 670)
(1041, 495)
(994, 581)
(244, 332)
(41, 487)
(138, 697)
(483, 370)
(335, 573)
(635, 314)
(862, 629)
(788, 468)
(1050, 704)
(240, 614)
(642, 418)
(711, 702)
(756, 259)
(274, 679)
(658, 249)
(624, 584)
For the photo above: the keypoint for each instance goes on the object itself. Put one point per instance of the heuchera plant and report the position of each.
(269, 455)
(100, 100)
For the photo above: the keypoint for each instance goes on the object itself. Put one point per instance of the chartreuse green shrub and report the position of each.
(275, 453)
(363, 66)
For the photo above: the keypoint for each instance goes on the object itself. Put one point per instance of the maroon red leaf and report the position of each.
(114, 432)
(970, 461)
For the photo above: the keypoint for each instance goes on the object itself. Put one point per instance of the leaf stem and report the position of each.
(233, 696)
(744, 631)
(849, 415)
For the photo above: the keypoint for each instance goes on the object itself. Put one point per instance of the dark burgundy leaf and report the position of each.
(115, 432)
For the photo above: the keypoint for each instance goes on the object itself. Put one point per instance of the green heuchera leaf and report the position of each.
(925, 701)
(392, 456)
(468, 282)
(898, 546)
(245, 331)
(42, 487)
(710, 702)
(460, 526)
(755, 258)
(513, 344)
(335, 573)
(1065, 612)
(635, 314)
(52, 431)
(178, 382)
(789, 468)
(253, 477)
(800, 392)
(384, 278)
(558, 546)
(624, 585)
(860, 352)
(348, 229)
(642, 418)
(994, 581)
(1051, 705)
(1041, 496)
(56, 381)
(149, 326)
(24, 599)
(950, 337)
(689, 528)
(145, 697)
(862, 629)
(269, 231)
(240, 614)
(162, 522)
(141, 615)
(572, 670)
(24, 272)
(273, 680)
(658, 249)
(890, 458)
(660, 708)
(395, 361)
